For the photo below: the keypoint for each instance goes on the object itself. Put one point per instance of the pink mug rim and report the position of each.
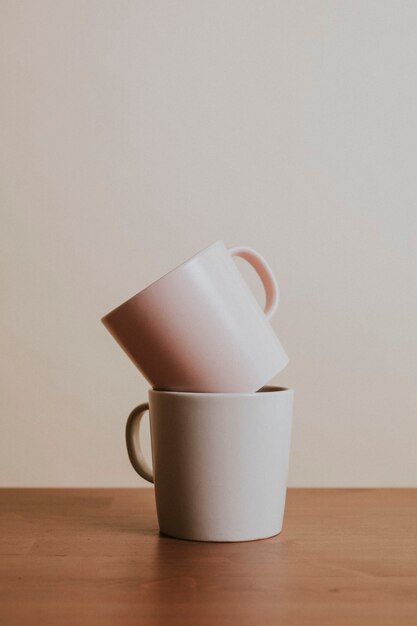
(185, 263)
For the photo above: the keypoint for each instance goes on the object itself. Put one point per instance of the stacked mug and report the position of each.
(220, 438)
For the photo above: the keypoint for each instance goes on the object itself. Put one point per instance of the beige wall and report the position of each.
(136, 133)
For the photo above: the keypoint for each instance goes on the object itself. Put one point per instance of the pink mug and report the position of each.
(199, 328)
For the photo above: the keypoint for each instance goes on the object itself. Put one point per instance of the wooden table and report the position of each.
(94, 556)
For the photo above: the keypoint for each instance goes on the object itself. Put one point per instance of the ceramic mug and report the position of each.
(199, 328)
(220, 462)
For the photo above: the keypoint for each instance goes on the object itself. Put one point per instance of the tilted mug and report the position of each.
(220, 462)
(199, 328)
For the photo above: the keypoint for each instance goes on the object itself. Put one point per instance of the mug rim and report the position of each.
(266, 390)
(188, 261)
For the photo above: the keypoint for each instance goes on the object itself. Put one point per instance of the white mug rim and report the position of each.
(266, 390)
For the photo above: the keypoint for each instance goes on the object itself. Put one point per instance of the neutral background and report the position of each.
(136, 133)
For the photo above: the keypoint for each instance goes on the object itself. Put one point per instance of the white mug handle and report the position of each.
(264, 272)
(134, 450)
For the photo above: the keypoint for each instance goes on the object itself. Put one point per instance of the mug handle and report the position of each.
(134, 450)
(264, 272)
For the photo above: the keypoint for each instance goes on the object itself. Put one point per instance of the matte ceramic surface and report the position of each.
(199, 328)
(220, 462)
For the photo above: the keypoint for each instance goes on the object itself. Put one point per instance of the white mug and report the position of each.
(220, 462)
(199, 328)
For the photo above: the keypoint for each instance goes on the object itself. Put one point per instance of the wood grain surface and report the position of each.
(94, 556)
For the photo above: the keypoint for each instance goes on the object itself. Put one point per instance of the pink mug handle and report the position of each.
(264, 272)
